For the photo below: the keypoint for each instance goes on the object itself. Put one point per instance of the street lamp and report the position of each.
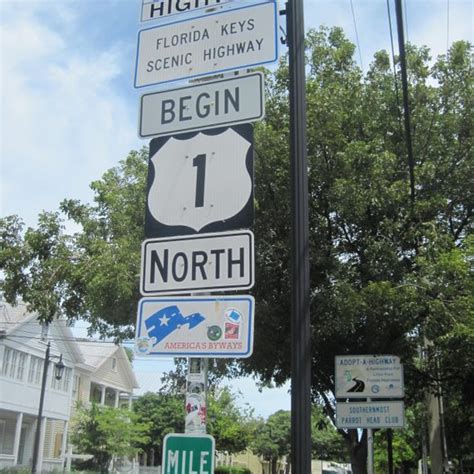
(58, 373)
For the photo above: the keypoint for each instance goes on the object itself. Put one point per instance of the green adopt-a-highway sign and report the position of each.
(188, 454)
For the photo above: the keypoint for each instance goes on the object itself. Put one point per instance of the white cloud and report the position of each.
(63, 122)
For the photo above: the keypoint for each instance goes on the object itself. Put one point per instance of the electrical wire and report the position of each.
(395, 81)
(447, 28)
(357, 36)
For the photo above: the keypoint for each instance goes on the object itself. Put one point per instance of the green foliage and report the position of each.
(386, 271)
(106, 432)
(404, 444)
(232, 470)
(165, 414)
(231, 426)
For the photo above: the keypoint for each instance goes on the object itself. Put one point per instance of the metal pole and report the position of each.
(370, 449)
(301, 324)
(390, 450)
(40, 411)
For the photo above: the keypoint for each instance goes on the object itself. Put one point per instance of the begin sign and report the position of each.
(201, 106)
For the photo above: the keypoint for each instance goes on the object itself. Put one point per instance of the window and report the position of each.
(7, 355)
(21, 365)
(114, 364)
(13, 363)
(36, 370)
(66, 379)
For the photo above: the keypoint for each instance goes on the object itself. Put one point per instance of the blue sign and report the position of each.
(196, 326)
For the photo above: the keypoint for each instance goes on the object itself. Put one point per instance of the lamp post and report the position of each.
(58, 373)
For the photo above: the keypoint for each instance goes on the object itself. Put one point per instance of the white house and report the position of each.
(23, 342)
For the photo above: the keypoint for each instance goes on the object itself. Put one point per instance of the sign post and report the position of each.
(300, 317)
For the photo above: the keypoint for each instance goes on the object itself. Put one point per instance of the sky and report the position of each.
(69, 111)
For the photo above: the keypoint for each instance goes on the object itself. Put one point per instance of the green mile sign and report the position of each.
(188, 454)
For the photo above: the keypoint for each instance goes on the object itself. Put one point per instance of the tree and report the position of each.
(107, 432)
(272, 438)
(387, 271)
(231, 426)
(165, 414)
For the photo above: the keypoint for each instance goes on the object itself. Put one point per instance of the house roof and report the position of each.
(97, 353)
(94, 352)
(11, 317)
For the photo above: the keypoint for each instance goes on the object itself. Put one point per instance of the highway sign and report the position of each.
(202, 106)
(368, 376)
(223, 41)
(200, 182)
(188, 453)
(195, 326)
(203, 262)
(370, 414)
(156, 9)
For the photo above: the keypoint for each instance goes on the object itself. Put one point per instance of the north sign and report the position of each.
(188, 453)
(203, 262)
(200, 182)
(370, 415)
(156, 9)
(234, 39)
(369, 376)
(195, 326)
(202, 106)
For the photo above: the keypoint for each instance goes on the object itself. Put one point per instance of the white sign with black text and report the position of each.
(201, 106)
(370, 415)
(204, 262)
(222, 41)
(369, 376)
(156, 9)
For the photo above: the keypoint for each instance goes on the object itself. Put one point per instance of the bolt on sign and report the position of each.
(224, 41)
(200, 182)
(188, 454)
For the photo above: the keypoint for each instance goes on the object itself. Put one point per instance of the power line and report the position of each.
(401, 45)
(395, 81)
(447, 27)
(357, 36)
(136, 358)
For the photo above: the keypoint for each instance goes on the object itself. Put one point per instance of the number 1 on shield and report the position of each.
(200, 163)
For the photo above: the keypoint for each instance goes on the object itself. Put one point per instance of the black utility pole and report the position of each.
(40, 411)
(300, 318)
(390, 450)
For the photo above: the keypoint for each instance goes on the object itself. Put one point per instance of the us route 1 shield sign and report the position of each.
(370, 415)
(188, 453)
(235, 39)
(212, 104)
(369, 376)
(200, 182)
(205, 262)
(195, 326)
